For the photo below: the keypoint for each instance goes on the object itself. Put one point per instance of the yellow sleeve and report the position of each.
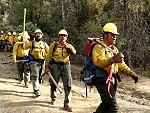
(46, 48)
(28, 45)
(72, 49)
(49, 55)
(99, 57)
(124, 68)
(15, 50)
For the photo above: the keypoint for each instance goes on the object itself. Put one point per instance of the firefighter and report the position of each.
(111, 62)
(2, 41)
(38, 52)
(58, 63)
(14, 37)
(9, 40)
(19, 53)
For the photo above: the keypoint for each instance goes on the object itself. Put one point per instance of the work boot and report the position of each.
(20, 82)
(27, 84)
(36, 94)
(53, 98)
(67, 108)
(52, 101)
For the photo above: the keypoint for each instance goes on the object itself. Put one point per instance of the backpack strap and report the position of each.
(52, 61)
(54, 48)
(33, 45)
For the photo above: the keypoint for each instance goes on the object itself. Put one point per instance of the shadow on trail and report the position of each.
(5, 81)
(15, 93)
(13, 83)
(31, 103)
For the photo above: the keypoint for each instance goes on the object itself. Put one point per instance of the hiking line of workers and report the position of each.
(7, 40)
(34, 58)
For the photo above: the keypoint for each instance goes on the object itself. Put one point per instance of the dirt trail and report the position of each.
(15, 98)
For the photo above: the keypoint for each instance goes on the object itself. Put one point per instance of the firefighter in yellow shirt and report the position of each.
(9, 40)
(2, 41)
(58, 61)
(19, 53)
(38, 52)
(14, 37)
(108, 64)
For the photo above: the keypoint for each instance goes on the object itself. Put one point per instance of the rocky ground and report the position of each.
(15, 98)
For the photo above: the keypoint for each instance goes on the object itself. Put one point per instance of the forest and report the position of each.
(83, 19)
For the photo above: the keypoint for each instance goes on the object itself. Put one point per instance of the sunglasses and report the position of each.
(62, 35)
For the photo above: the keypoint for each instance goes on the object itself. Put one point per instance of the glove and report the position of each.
(14, 61)
(134, 76)
(46, 71)
(118, 58)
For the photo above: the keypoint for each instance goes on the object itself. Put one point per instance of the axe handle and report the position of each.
(22, 60)
(24, 21)
(16, 61)
(57, 86)
(106, 47)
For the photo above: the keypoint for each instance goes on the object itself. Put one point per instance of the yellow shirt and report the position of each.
(6, 37)
(11, 40)
(19, 50)
(60, 54)
(2, 37)
(102, 58)
(39, 49)
(15, 39)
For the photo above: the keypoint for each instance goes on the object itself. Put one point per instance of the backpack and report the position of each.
(30, 57)
(88, 73)
(54, 49)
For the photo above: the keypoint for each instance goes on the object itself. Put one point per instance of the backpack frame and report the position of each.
(88, 73)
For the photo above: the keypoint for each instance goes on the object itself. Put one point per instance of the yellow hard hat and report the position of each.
(25, 35)
(38, 31)
(9, 33)
(63, 32)
(19, 38)
(110, 27)
(14, 33)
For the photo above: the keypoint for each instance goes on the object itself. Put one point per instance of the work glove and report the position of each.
(117, 58)
(46, 70)
(134, 76)
(14, 61)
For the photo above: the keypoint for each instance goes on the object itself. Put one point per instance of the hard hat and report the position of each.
(9, 33)
(110, 27)
(19, 38)
(14, 33)
(38, 31)
(63, 32)
(25, 35)
(2, 32)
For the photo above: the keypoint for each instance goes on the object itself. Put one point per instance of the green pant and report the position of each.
(64, 72)
(23, 70)
(108, 104)
(36, 70)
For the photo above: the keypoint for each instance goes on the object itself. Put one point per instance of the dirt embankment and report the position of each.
(15, 98)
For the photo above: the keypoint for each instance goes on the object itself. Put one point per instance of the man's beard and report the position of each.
(38, 38)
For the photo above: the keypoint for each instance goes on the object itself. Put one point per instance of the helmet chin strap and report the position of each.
(38, 39)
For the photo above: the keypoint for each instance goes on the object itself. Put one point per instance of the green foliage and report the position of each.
(82, 19)
(30, 27)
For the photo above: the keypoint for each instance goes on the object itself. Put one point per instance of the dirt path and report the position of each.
(15, 98)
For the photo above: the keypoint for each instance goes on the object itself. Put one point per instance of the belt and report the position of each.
(38, 60)
(20, 58)
(62, 63)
